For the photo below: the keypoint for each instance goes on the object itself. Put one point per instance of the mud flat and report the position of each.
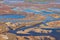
(3, 28)
(8, 36)
(37, 30)
(22, 24)
(18, 24)
(42, 31)
(25, 31)
(52, 24)
(35, 38)
(14, 25)
(54, 15)
(55, 24)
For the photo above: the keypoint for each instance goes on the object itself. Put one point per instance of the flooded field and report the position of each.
(29, 20)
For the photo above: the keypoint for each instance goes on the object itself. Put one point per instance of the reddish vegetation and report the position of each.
(42, 6)
(5, 9)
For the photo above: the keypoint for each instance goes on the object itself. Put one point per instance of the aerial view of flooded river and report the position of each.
(29, 19)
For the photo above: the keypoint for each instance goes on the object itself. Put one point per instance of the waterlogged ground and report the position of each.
(42, 23)
(54, 32)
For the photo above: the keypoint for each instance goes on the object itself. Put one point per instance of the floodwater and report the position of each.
(42, 12)
(12, 16)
